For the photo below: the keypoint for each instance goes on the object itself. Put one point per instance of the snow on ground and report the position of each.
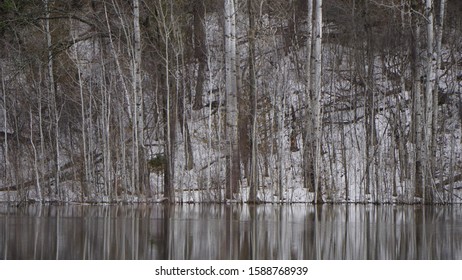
(280, 90)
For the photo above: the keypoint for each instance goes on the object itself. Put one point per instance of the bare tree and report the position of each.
(233, 168)
(138, 117)
(253, 180)
(316, 99)
(308, 166)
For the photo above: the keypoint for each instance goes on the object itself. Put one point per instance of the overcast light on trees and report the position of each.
(231, 101)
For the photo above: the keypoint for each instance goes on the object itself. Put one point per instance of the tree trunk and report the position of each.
(308, 176)
(317, 92)
(233, 169)
(199, 50)
(253, 180)
(439, 41)
(429, 107)
(138, 117)
(417, 123)
(53, 97)
(6, 158)
(169, 131)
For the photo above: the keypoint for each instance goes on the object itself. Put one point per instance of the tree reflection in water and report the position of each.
(204, 231)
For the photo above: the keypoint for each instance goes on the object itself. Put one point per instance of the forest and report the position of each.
(252, 101)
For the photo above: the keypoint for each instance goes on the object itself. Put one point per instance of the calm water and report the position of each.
(231, 232)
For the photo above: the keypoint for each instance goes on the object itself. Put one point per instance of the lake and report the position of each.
(212, 231)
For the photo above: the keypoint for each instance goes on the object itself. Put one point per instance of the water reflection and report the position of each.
(231, 232)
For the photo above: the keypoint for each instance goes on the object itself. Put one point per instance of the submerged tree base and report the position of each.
(13, 198)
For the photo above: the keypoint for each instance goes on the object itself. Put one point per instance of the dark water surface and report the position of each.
(231, 232)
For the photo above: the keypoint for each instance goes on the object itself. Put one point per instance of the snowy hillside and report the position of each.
(366, 109)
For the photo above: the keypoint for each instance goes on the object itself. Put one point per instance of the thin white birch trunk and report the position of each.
(317, 92)
(138, 103)
(38, 187)
(5, 141)
(231, 98)
(307, 136)
(253, 182)
(52, 92)
(429, 107)
(439, 42)
(417, 177)
(105, 133)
